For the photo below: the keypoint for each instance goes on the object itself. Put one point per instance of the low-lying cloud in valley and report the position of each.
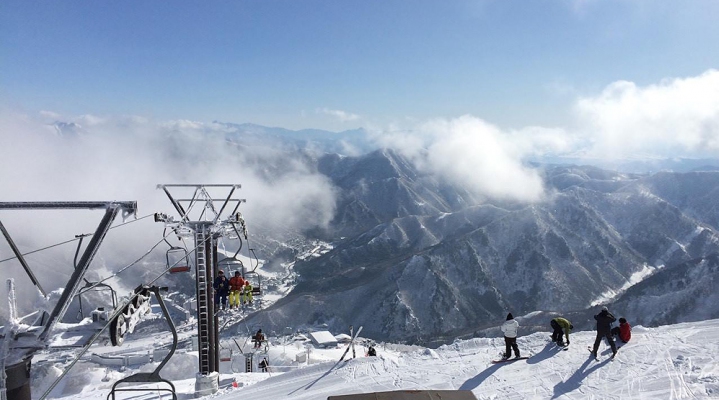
(91, 158)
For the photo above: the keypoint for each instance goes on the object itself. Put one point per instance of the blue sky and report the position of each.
(297, 64)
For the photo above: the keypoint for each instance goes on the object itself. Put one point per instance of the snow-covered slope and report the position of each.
(669, 362)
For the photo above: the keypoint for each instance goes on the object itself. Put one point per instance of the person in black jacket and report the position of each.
(222, 289)
(264, 364)
(371, 352)
(604, 330)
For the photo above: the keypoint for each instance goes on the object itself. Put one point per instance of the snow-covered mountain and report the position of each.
(423, 261)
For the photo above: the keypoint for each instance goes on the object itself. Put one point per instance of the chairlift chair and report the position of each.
(225, 354)
(178, 254)
(95, 287)
(177, 258)
(256, 289)
(232, 263)
(144, 378)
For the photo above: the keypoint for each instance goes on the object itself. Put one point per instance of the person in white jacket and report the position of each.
(510, 328)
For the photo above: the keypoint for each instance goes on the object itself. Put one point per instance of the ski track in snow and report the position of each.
(670, 362)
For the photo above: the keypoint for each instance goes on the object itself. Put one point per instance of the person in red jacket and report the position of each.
(624, 330)
(236, 286)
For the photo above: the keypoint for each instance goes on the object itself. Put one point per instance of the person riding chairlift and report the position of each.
(258, 338)
(247, 299)
(236, 286)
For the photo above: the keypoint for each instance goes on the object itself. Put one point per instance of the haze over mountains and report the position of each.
(421, 258)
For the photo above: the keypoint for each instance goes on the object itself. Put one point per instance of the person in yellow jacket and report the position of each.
(237, 285)
(247, 299)
(561, 325)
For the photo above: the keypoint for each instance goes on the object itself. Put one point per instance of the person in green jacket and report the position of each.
(561, 325)
(247, 293)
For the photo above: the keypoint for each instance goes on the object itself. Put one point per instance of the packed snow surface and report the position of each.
(669, 362)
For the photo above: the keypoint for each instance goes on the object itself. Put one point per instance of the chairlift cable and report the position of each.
(133, 263)
(75, 239)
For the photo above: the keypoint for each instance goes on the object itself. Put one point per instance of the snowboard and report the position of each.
(508, 360)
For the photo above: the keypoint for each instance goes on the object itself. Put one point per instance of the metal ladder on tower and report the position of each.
(203, 306)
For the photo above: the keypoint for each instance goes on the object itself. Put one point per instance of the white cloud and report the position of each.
(124, 158)
(50, 114)
(473, 153)
(674, 118)
(343, 116)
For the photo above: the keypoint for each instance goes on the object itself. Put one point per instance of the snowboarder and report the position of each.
(371, 352)
(222, 288)
(236, 286)
(510, 328)
(247, 298)
(258, 338)
(264, 364)
(604, 330)
(623, 331)
(561, 325)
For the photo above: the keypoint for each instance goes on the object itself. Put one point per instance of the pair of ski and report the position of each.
(351, 343)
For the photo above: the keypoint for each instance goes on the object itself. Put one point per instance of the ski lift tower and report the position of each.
(205, 218)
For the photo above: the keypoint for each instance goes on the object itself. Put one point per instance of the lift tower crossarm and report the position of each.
(128, 206)
(111, 210)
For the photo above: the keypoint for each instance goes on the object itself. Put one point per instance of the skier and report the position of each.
(222, 288)
(604, 326)
(258, 338)
(510, 328)
(247, 298)
(561, 325)
(623, 331)
(236, 285)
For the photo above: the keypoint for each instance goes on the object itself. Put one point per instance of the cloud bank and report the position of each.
(479, 156)
(92, 158)
(674, 118)
(342, 116)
